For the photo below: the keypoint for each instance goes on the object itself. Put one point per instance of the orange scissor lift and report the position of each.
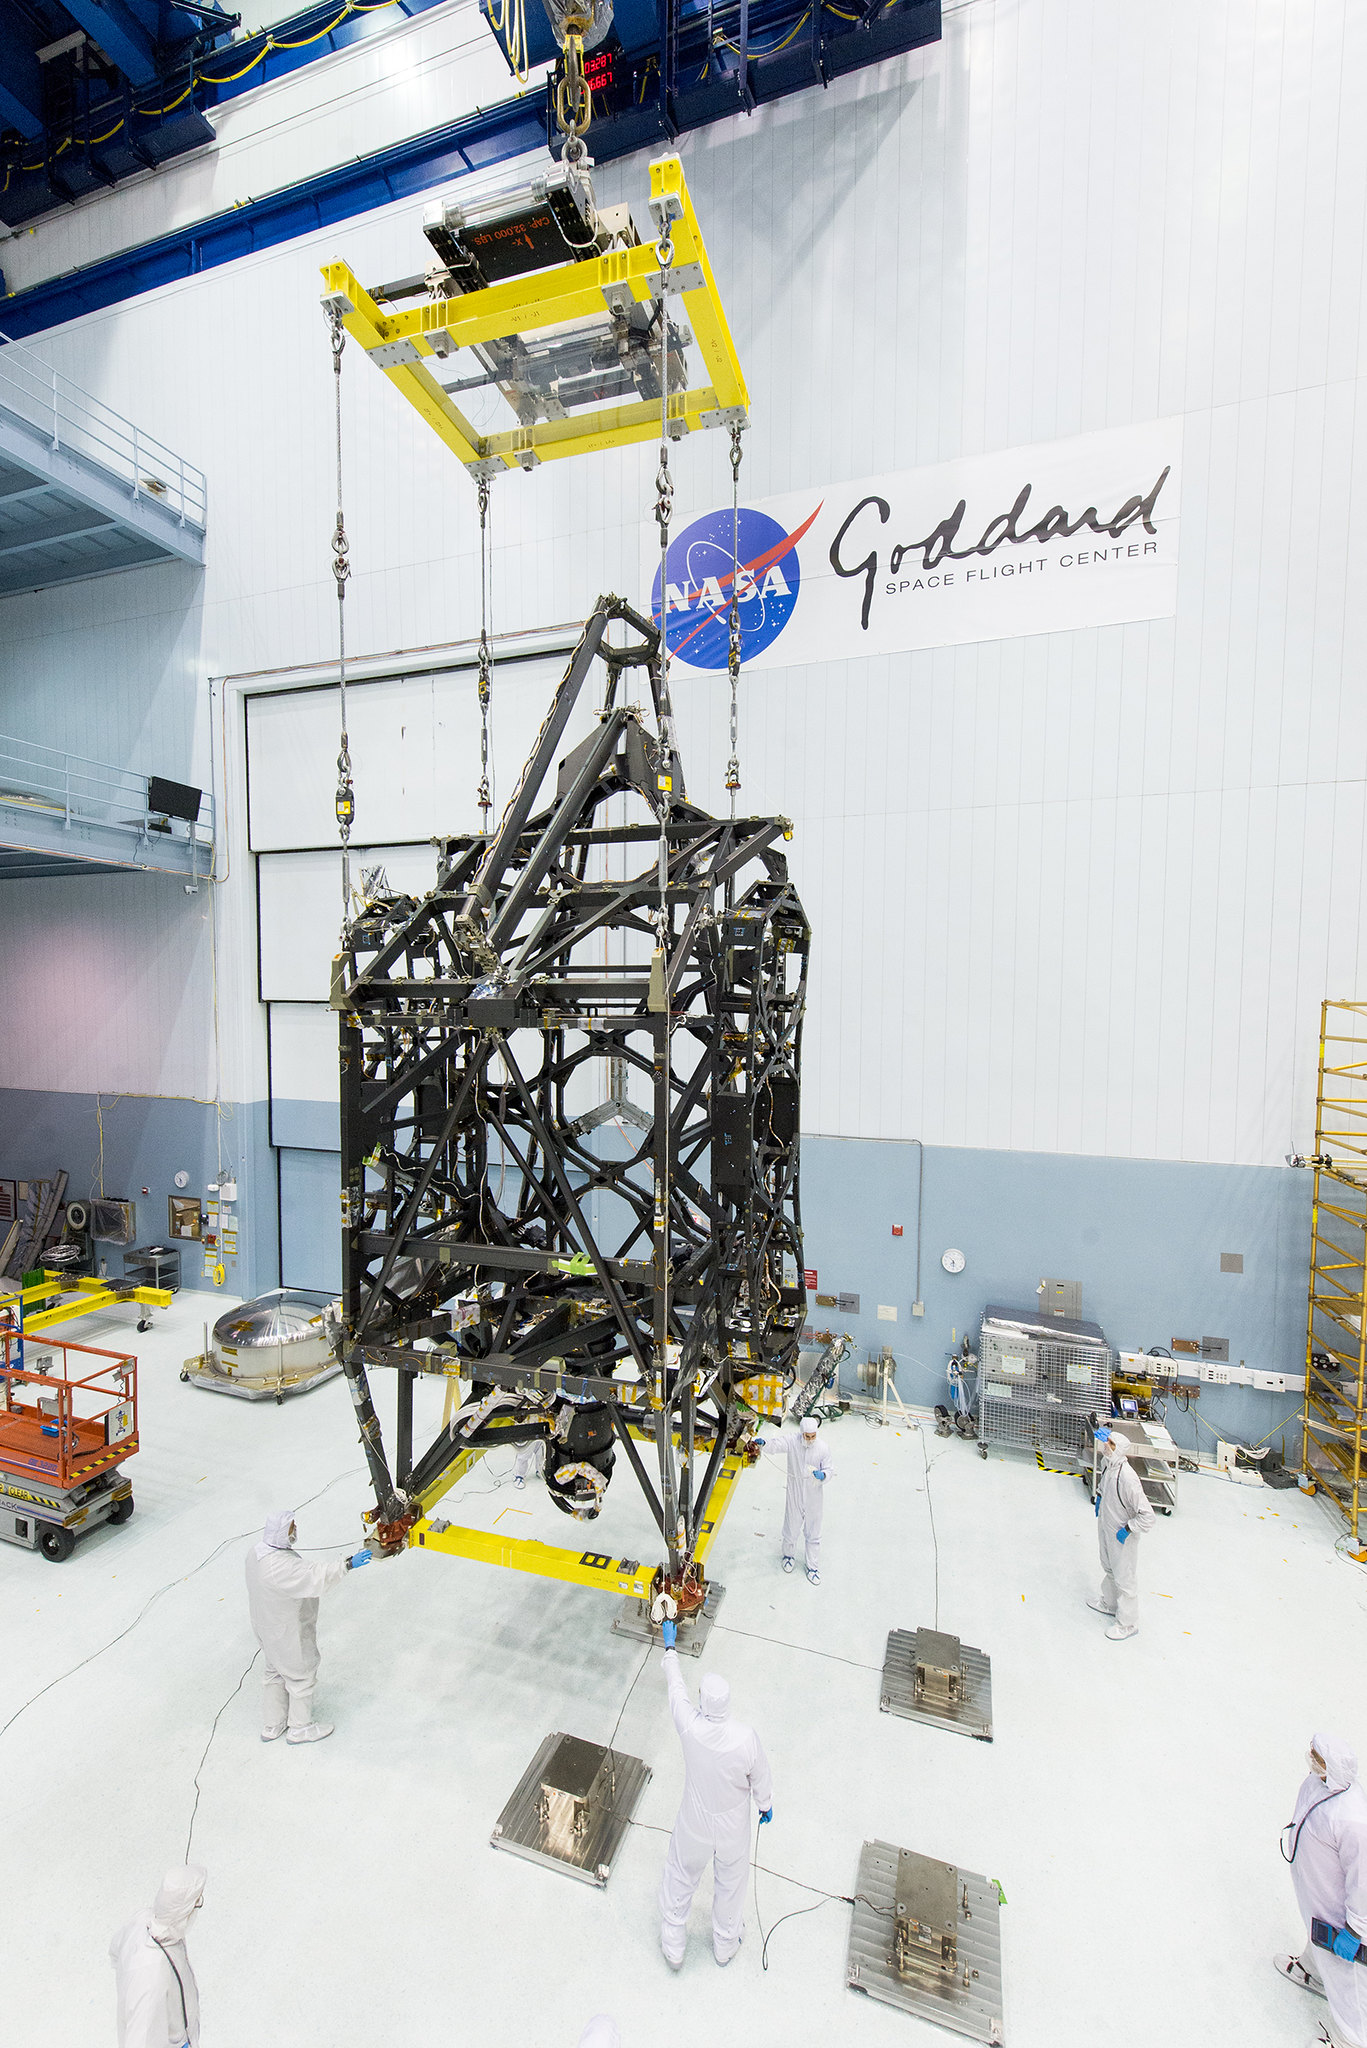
(68, 1425)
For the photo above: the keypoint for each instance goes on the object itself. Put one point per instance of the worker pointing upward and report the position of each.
(724, 1769)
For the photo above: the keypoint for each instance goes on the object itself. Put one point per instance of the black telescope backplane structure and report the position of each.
(609, 1273)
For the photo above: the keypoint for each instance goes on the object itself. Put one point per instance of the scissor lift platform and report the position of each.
(68, 1426)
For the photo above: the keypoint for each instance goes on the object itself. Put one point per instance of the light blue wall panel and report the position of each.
(147, 1141)
(1143, 1236)
(305, 1126)
(311, 1219)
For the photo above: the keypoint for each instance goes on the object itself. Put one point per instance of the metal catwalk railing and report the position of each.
(69, 418)
(61, 790)
(1336, 1334)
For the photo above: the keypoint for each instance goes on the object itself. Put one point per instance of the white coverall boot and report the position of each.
(302, 1726)
(1303, 1970)
(1326, 1842)
(1121, 1505)
(282, 1599)
(806, 1495)
(725, 1768)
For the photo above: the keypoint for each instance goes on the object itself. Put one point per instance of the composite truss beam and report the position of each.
(592, 1277)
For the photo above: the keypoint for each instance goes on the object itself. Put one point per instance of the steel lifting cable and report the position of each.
(664, 501)
(733, 651)
(341, 569)
(664, 505)
(485, 797)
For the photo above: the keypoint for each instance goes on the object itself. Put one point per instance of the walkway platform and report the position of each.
(84, 492)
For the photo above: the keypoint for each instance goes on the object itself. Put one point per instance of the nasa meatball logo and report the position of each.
(700, 567)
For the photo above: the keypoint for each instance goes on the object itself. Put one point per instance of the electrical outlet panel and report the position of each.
(1278, 1382)
(1217, 1375)
(1142, 1365)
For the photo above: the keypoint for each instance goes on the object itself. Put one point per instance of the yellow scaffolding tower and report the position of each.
(1336, 1328)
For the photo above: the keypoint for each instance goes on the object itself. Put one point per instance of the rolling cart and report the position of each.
(1153, 1455)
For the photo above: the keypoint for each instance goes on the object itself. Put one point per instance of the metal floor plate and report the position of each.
(633, 1619)
(972, 1716)
(973, 2008)
(520, 1828)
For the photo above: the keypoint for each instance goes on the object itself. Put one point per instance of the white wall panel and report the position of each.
(300, 897)
(303, 1052)
(415, 748)
(1079, 891)
(304, 1078)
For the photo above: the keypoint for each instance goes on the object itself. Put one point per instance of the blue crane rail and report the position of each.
(704, 64)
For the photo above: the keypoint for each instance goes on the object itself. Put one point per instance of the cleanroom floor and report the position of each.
(1130, 1804)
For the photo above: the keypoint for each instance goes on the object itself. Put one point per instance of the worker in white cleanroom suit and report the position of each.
(531, 1457)
(157, 1994)
(1325, 1842)
(724, 1769)
(282, 1599)
(1123, 1515)
(809, 1468)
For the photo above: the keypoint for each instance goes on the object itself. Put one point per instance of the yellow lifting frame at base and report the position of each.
(522, 305)
(551, 1561)
(86, 1299)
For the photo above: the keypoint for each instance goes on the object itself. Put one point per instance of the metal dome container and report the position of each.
(273, 1346)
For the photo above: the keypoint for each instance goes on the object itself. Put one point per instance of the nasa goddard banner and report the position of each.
(1042, 539)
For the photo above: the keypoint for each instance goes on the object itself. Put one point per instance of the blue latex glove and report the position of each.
(1122, 1532)
(361, 1557)
(767, 1815)
(819, 1475)
(1096, 1506)
(670, 1631)
(761, 1443)
(1345, 1944)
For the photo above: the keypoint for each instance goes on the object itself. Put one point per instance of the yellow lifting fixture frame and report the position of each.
(84, 1297)
(521, 305)
(554, 1561)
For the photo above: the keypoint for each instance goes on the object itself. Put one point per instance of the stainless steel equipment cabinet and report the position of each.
(1039, 1380)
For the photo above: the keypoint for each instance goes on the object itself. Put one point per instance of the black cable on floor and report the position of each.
(630, 1690)
(803, 1649)
(835, 1898)
(150, 1603)
(925, 1455)
(194, 1810)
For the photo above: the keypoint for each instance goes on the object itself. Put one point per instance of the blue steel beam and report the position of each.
(21, 76)
(489, 136)
(119, 29)
(473, 143)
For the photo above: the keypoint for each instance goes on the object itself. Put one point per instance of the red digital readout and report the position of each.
(600, 71)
